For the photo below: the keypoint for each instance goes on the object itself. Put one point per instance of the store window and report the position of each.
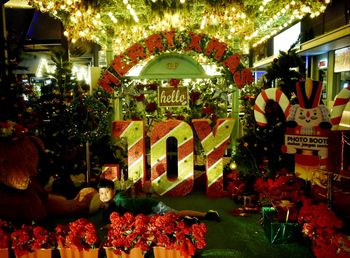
(322, 65)
(341, 69)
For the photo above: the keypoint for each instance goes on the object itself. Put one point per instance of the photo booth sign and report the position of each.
(307, 130)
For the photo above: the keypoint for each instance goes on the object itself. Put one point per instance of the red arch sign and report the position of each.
(171, 41)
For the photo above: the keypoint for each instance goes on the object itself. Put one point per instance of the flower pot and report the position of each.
(4, 252)
(40, 253)
(76, 253)
(134, 253)
(162, 252)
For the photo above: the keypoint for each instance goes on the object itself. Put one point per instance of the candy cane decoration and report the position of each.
(183, 184)
(134, 133)
(214, 146)
(260, 104)
(340, 102)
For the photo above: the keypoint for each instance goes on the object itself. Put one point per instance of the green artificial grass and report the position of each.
(238, 237)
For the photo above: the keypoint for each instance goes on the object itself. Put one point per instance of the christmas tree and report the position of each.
(259, 151)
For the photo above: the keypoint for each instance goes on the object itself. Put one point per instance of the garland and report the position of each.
(179, 41)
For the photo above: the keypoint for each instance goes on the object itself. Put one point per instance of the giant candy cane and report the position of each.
(340, 102)
(214, 145)
(260, 104)
(133, 131)
(183, 184)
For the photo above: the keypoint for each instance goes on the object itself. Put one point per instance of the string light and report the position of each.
(224, 21)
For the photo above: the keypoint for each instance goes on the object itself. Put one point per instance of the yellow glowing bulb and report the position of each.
(261, 8)
(78, 13)
(327, 1)
(292, 3)
(66, 33)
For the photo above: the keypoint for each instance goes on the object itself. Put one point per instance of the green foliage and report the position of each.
(208, 99)
(259, 150)
(287, 69)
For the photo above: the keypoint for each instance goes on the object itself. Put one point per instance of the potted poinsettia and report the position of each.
(323, 228)
(78, 239)
(5, 234)
(172, 234)
(32, 239)
(128, 235)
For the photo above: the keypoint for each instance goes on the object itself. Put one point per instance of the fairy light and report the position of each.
(114, 20)
(204, 21)
(272, 17)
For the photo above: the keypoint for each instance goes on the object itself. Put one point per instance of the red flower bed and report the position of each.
(322, 226)
(4, 234)
(127, 232)
(80, 234)
(29, 238)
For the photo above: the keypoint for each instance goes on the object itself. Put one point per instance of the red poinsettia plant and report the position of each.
(5, 233)
(80, 234)
(29, 238)
(171, 232)
(286, 187)
(321, 225)
(127, 232)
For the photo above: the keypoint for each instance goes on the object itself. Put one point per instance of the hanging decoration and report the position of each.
(120, 22)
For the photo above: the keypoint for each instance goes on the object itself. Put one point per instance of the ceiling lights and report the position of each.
(118, 24)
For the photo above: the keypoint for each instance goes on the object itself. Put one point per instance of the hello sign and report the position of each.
(173, 96)
(214, 143)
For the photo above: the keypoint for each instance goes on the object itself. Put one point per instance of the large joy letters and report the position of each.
(183, 184)
(214, 144)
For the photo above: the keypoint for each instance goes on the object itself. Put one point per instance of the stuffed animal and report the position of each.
(22, 197)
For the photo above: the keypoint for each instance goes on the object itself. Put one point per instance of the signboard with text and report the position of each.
(309, 142)
(173, 96)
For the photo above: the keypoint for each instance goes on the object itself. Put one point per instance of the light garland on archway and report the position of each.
(116, 23)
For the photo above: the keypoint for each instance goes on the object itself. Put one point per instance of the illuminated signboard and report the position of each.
(342, 60)
(284, 40)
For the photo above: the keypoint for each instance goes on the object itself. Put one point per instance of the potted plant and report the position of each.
(323, 228)
(174, 238)
(78, 237)
(32, 241)
(4, 238)
(128, 236)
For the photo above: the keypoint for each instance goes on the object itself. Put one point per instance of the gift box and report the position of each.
(278, 232)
